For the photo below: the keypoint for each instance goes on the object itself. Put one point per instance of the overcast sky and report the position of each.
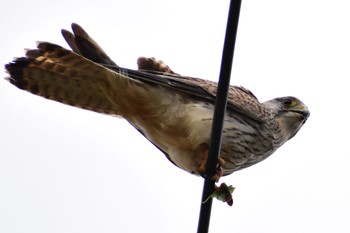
(69, 170)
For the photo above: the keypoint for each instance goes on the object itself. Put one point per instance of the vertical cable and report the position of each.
(219, 113)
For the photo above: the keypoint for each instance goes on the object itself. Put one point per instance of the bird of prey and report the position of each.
(172, 111)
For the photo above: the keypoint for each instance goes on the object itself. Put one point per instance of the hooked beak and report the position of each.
(304, 113)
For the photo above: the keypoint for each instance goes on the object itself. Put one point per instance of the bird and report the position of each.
(174, 112)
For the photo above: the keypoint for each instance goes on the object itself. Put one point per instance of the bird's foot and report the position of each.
(219, 170)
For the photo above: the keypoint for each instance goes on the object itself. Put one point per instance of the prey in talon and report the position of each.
(223, 193)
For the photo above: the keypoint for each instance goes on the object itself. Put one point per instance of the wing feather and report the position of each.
(239, 100)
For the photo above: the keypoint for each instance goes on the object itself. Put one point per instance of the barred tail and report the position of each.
(61, 75)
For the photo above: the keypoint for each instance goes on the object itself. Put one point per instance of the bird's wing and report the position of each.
(82, 44)
(239, 99)
(84, 94)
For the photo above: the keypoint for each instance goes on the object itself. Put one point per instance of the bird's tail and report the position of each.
(58, 74)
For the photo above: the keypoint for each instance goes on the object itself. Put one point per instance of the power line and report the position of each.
(219, 113)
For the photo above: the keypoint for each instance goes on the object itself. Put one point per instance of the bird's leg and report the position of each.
(219, 170)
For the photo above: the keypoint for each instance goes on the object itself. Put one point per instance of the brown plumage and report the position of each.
(174, 112)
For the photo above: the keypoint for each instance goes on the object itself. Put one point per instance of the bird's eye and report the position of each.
(288, 102)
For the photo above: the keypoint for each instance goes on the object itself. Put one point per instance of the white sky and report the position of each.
(68, 170)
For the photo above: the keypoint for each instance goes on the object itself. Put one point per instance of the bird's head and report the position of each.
(290, 113)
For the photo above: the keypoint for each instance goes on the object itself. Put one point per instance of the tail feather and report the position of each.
(58, 74)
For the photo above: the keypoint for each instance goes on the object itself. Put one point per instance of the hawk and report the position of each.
(172, 111)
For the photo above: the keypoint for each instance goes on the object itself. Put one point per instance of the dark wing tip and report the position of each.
(79, 31)
(81, 43)
(70, 39)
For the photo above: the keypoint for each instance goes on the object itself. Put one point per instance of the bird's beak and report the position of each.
(303, 112)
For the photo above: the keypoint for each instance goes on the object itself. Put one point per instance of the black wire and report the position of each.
(219, 113)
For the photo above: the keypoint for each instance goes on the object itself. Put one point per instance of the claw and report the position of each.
(219, 170)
